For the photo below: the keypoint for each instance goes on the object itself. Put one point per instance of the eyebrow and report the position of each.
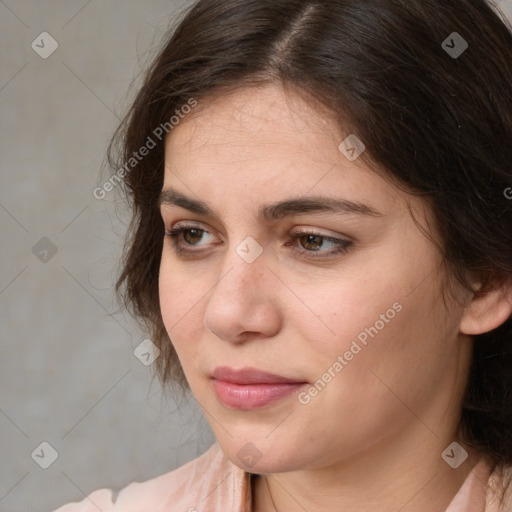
(277, 210)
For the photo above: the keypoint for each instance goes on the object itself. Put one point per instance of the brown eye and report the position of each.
(316, 245)
(189, 240)
(311, 242)
(192, 236)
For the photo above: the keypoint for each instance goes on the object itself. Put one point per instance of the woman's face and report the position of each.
(341, 304)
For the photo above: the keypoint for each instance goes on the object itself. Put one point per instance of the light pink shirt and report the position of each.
(212, 483)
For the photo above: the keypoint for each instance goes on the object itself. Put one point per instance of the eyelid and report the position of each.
(181, 226)
(341, 243)
(189, 224)
(326, 233)
(192, 224)
(294, 231)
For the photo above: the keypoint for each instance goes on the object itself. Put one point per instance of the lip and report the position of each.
(251, 376)
(250, 388)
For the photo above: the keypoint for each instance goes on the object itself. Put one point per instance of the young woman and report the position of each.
(321, 247)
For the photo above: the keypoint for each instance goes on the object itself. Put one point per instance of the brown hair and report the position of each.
(438, 123)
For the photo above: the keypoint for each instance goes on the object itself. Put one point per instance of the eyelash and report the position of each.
(343, 245)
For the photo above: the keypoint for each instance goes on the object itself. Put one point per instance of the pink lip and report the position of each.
(249, 388)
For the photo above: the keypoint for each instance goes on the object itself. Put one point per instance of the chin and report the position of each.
(259, 455)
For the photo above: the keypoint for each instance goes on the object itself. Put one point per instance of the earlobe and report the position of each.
(488, 311)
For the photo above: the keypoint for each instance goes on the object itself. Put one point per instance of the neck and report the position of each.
(385, 479)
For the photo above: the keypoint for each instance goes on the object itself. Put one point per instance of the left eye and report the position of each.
(316, 243)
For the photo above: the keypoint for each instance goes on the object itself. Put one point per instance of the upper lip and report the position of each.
(250, 376)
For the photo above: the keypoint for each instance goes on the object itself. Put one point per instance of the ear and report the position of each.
(487, 311)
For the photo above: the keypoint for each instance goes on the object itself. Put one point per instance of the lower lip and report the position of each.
(252, 396)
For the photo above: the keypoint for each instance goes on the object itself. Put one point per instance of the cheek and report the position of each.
(181, 302)
(373, 327)
(335, 312)
(385, 303)
(387, 368)
(181, 307)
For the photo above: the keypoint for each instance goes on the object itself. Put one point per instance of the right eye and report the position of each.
(186, 236)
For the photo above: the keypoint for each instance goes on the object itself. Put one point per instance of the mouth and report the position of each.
(250, 388)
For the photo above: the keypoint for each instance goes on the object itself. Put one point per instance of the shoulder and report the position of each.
(499, 489)
(101, 499)
(211, 479)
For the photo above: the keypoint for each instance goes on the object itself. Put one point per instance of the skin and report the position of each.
(372, 438)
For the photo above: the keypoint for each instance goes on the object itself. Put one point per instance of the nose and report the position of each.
(243, 304)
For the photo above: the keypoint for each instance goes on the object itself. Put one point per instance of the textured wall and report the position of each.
(68, 374)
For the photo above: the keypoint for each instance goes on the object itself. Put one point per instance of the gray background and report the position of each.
(68, 373)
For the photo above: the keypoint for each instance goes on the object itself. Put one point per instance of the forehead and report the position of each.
(252, 116)
(263, 141)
